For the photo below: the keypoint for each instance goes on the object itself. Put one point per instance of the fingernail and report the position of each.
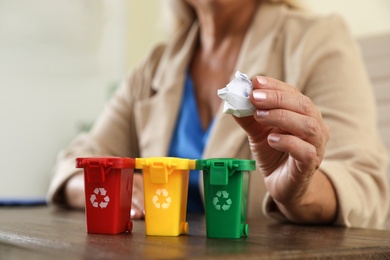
(259, 95)
(262, 113)
(263, 81)
(273, 138)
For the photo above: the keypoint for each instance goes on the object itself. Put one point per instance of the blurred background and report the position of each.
(60, 61)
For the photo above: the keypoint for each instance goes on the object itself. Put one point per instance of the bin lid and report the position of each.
(160, 167)
(111, 162)
(168, 162)
(221, 168)
(233, 164)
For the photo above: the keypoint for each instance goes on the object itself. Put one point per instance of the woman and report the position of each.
(313, 134)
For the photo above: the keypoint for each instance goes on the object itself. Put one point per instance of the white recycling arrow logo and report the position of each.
(166, 200)
(219, 196)
(101, 192)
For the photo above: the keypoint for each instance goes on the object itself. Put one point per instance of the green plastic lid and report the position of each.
(221, 168)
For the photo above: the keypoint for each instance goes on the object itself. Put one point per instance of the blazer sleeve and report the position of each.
(113, 133)
(324, 62)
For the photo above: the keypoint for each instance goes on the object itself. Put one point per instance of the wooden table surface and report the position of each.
(47, 233)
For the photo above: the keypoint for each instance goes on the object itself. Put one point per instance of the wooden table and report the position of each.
(47, 233)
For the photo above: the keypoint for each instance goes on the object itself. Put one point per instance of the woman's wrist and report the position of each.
(317, 206)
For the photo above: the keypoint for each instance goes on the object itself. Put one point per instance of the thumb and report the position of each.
(246, 123)
(251, 126)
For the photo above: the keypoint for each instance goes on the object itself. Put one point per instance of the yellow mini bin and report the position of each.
(165, 194)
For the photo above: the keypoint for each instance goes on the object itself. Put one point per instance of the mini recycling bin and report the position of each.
(165, 194)
(108, 192)
(226, 193)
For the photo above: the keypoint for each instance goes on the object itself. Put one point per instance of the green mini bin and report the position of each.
(225, 183)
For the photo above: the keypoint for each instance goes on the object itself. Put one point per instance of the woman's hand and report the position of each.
(287, 136)
(74, 191)
(137, 207)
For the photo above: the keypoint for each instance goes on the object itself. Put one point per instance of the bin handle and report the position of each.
(159, 171)
(219, 173)
(96, 169)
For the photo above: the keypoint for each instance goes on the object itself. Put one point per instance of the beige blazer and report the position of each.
(316, 55)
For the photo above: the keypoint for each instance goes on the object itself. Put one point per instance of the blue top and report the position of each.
(189, 140)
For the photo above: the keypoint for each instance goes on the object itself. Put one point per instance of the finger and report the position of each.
(302, 152)
(293, 101)
(138, 200)
(137, 209)
(136, 213)
(260, 82)
(251, 126)
(304, 127)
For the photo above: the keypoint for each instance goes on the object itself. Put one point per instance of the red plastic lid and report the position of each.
(112, 162)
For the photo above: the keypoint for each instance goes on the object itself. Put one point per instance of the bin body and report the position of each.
(165, 194)
(108, 193)
(226, 193)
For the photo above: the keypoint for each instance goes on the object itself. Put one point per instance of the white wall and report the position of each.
(365, 17)
(58, 60)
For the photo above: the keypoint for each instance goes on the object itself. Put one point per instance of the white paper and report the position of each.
(236, 96)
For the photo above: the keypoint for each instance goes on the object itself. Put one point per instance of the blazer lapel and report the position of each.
(156, 116)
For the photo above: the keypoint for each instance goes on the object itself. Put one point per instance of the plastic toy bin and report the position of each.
(108, 193)
(226, 193)
(165, 194)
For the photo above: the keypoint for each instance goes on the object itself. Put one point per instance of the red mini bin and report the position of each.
(108, 193)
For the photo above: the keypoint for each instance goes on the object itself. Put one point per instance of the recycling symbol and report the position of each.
(101, 192)
(161, 199)
(222, 196)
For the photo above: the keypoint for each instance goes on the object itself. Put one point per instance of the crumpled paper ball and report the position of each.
(236, 96)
